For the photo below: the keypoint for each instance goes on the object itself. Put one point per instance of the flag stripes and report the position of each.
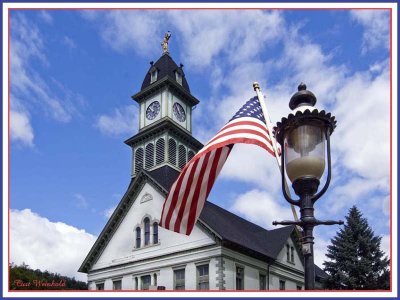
(187, 196)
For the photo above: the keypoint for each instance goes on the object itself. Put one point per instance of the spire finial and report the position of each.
(164, 43)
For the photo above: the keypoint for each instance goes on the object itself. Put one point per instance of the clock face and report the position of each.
(179, 112)
(152, 110)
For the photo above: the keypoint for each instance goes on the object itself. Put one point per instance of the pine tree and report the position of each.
(356, 260)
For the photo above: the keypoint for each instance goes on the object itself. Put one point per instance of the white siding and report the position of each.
(120, 248)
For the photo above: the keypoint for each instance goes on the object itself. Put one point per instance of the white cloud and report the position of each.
(129, 30)
(67, 41)
(237, 35)
(205, 34)
(20, 128)
(32, 90)
(320, 249)
(262, 207)
(376, 28)
(45, 17)
(122, 121)
(252, 164)
(46, 245)
(363, 111)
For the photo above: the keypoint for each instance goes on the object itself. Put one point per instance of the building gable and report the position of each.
(117, 242)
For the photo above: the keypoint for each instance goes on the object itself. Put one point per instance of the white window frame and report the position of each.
(179, 281)
(282, 283)
(153, 75)
(115, 281)
(260, 275)
(241, 277)
(97, 284)
(204, 278)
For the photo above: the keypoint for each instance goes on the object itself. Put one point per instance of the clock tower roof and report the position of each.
(165, 67)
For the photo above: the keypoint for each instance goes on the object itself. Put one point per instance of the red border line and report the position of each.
(208, 291)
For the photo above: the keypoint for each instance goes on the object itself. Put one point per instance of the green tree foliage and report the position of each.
(356, 260)
(24, 278)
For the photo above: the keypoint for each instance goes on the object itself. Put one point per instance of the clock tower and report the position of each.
(164, 142)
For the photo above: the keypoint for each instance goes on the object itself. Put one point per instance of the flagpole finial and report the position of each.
(256, 85)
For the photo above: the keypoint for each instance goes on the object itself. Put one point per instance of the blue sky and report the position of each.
(72, 75)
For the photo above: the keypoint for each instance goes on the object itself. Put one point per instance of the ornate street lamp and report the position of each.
(304, 137)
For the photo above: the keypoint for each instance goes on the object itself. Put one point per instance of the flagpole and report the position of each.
(260, 96)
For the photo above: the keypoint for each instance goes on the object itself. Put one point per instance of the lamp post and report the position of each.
(304, 137)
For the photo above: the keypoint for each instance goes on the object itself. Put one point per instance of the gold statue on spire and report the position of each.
(164, 43)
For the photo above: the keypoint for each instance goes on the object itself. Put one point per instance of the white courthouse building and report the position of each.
(223, 252)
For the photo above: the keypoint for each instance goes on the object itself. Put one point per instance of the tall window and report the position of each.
(239, 278)
(149, 155)
(137, 237)
(287, 252)
(203, 278)
(146, 231)
(155, 233)
(138, 160)
(282, 285)
(100, 286)
(292, 254)
(263, 282)
(146, 281)
(182, 156)
(160, 151)
(172, 151)
(117, 285)
(179, 279)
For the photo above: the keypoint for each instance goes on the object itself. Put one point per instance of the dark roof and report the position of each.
(319, 273)
(165, 67)
(239, 231)
(165, 176)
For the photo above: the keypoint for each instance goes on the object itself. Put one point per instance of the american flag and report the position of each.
(189, 192)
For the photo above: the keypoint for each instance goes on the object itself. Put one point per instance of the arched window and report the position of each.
(149, 155)
(137, 237)
(190, 155)
(138, 160)
(172, 151)
(155, 233)
(146, 231)
(160, 151)
(182, 156)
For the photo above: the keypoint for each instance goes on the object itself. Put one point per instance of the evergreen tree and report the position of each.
(356, 260)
